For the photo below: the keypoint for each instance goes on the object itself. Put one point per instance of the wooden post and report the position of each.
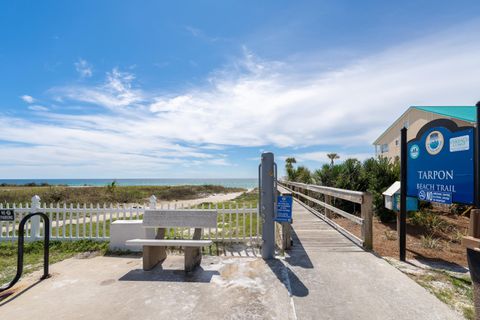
(287, 235)
(283, 235)
(328, 200)
(474, 228)
(367, 226)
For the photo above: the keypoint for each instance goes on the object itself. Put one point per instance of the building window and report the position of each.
(396, 142)
(384, 148)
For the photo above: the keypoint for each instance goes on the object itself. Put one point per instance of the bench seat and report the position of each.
(155, 250)
(168, 243)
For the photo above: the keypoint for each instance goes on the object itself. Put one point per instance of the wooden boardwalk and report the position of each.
(332, 278)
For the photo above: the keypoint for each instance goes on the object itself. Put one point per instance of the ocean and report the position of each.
(239, 183)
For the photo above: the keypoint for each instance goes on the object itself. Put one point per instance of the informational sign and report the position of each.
(440, 163)
(284, 209)
(435, 196)
(7, 215)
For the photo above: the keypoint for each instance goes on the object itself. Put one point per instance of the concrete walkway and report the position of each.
(331, 278)
(117, 288)
(324, 276)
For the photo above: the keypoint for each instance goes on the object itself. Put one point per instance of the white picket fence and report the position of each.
(236, 223)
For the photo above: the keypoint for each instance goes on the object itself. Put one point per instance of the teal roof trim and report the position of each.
(465, 113)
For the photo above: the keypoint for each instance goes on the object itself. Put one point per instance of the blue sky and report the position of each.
(124, 89)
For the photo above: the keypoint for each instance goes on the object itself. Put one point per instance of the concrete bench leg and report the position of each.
(153, 255)
(193, 255)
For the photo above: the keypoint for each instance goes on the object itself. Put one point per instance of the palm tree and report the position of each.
(289, 168)
(333, 157)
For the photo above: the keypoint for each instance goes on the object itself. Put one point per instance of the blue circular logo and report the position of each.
(422, 195)
(414, 151)
(434, 142)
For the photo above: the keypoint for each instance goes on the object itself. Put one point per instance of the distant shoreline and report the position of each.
(111, 193)
(246, 183)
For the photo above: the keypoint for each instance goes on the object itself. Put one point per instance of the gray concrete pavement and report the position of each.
(324, 276)
(117, 288)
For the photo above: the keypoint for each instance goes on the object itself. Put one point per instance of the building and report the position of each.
(388, 143)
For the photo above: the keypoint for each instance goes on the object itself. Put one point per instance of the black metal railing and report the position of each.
(21, 241)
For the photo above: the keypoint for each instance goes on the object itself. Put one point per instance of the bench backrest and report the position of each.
(191, 218)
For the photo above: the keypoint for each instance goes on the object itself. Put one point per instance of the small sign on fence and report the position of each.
(7, 215)
(284, 209)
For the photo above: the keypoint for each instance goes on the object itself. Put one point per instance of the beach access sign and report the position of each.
(440, 163)
(284, 208)
(7, 215)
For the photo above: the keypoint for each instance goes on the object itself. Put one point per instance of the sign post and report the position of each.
(402, 215)
(267, 204)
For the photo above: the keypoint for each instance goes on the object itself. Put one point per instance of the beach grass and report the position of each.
(111, 193)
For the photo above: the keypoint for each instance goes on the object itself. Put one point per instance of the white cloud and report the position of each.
(116, 92)
(27, 98)
(200, 34)
(37, 108)
(251, 103)
(83, 68)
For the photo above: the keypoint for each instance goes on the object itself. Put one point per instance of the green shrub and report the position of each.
(432, 222)
(374, 175)
(429, 242)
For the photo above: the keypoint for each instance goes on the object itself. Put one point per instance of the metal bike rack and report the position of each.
(21, 241)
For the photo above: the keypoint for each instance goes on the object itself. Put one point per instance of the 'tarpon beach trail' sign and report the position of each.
(440, 163)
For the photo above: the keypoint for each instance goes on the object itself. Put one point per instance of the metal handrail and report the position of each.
(21, 241)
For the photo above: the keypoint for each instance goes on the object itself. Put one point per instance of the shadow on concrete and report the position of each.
(297, 256)
(289, 279)
(167, 275)
(438, 263)
(16, 291)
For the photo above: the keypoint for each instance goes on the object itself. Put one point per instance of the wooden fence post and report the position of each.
(367, 226)
(328, 212)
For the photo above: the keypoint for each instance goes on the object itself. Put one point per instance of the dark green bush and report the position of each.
(374, 175)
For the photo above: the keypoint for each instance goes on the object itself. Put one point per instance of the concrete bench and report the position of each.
(123, 230)
(154, 250)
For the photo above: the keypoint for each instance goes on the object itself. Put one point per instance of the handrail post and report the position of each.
(328, 200)
(367, 216)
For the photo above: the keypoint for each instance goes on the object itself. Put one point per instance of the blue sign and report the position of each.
(440, 163)
(412, 203)
(284, 209)
(435, 196)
